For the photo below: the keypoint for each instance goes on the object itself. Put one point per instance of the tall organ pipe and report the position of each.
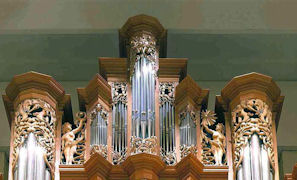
(99, 130)
(31, 163)
(187, 129)
(167, 120)
(119, 119)
(143, 95)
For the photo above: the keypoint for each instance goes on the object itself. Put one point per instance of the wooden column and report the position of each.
(188, 93)
(98, 91)
(244, 88)
(34, 85)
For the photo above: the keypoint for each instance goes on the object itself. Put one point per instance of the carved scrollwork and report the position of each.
(99, 110)
(143, 46)
(119, 157)
(100, 149)
(147, 145)
(249, 117)
(119, 92)
(186, 150)
(37, 117)
(166, 92)
(194, 115)
(169, 157)
(213, 139)
(73, 141)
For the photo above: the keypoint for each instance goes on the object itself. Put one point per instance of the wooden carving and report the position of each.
(213, 139)
(249, 117)
(37, 117)
(73, 141)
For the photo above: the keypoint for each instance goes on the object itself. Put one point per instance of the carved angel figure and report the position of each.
(218, 138)
(69, 144)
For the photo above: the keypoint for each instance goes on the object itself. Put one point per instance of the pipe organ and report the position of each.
(143, 117)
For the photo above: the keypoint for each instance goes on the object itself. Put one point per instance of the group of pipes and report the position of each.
(99, 131)
(188, 135)
(143, 99)
(119, 126)
(167, 126)
(255, 164)
(31, 163)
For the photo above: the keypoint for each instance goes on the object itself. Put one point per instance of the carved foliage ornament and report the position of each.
(143, 46)
(212, 139)
(167, 92)
(194, 115)
(119, 92)
(147, 145)
(249, 117)
(119, 157)
(169, 157)
(186, 150)
(73, 141)
(99, 110)
(100, 149)
(37, 117)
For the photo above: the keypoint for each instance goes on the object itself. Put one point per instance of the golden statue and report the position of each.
(69, 144)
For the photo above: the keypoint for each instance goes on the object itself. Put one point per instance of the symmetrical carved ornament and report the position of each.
(249, 117)
(143, 46)
(147, 145)
(73, 141)
(194, 115)
(169, 157)
(119, 92)
(119, 157)
(212, 139)
(37, 117)
(100, 149)
(99, 110)
(186, 150)
(166, 92)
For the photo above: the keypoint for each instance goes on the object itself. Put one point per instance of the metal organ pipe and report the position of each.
(143, 90)
(31, 163)
(119, 119)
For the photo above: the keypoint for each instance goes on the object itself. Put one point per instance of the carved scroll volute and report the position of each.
(250, 103)
(96, 98)
(36, 103)
(191, 98)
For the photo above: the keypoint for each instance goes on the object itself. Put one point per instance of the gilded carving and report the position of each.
(147, 145)
(213, 139)
(99, 110)
(37, 117)
(73, 141)
(166, 92)
(119, 92)
(169, 157)
(186, 150)
(100, 149)
(119, 157)
(249, 117)
(194, 115)
(143, 46)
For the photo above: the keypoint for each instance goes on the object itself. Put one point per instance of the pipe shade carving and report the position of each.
(252, 125)
(212, 139)
(73, 141)
(35, 122)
